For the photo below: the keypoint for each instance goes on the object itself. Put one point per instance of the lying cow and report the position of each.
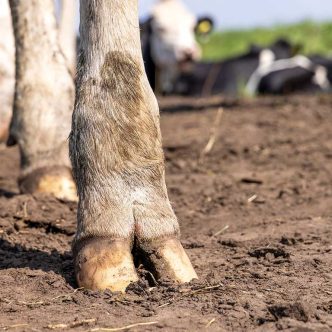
(229, 76)
(297, 74)
(168, 39)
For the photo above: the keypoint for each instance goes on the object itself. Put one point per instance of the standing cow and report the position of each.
(115, 141)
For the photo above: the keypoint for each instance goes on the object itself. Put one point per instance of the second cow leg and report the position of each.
(44, 99)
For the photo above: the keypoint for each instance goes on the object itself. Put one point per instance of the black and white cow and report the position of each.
(172, 60)
(169, 43)
(297, 74)
(271, 70)
(232, 75)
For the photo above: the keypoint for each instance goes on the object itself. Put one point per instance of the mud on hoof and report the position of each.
(57, 181)
(166, 258)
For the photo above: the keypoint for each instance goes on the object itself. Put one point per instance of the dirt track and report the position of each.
(256, 217)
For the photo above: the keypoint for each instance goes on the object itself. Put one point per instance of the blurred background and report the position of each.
(239, 22)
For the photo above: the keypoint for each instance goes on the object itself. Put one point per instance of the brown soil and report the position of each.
(256, 218)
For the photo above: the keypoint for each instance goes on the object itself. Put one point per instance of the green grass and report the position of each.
(315, 38)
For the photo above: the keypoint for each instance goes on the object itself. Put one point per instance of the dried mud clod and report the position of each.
(263, 251)
(295, 310)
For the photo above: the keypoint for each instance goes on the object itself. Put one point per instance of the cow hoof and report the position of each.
(168, 259)
(4, 124)
(104, 264)
(3, 133)
(56, 181)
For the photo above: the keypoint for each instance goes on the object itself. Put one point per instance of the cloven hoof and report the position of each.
(106, 263)
(57, 181)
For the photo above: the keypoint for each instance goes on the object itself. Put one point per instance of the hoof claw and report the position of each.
(168, 259)
(105, 264)
(102, 263)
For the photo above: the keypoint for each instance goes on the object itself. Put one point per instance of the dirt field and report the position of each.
(256, 217)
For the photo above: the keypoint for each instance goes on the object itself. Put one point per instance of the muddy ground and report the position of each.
(256, 219)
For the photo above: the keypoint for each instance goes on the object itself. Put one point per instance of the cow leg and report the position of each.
(67, 33)
(7, 70)
(117, 158)
(44, 98)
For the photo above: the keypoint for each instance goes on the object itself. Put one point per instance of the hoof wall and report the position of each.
(105, 264)
(168, 259)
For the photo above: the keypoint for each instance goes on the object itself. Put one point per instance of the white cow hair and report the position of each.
(321, 78)
(266, 57)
